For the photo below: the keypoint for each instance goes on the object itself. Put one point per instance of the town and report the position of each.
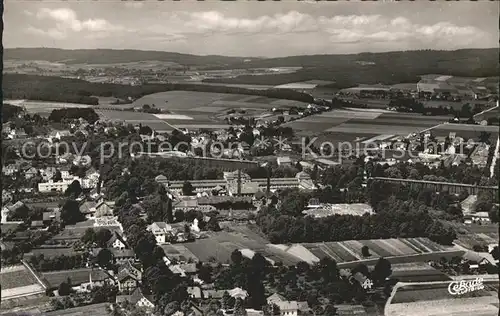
(136, 183)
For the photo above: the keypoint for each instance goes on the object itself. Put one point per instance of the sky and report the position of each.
(249, 28)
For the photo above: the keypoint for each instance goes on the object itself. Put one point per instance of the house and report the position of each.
(18, 133)
(292, 308)
(195, 292)
(122, 256)
(475, 261)
(88, 208)
(59, 134)
(238, 293)
(104, 208)
(128, 278)
(48, 173)
(30, 173)
(19, 206)
(275, 298)
(117, 242)
(37, 225)
(284, 161)
(160, 230)
(184, 269)
(480, 217)
(65, 172)
(247, 188)
(51, 216)
(137, 298)
(185, 204)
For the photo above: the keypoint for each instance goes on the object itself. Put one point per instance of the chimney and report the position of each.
(239, 182)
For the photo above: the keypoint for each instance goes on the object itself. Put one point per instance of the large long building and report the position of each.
(239, 183)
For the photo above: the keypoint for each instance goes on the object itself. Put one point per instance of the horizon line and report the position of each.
(259, 57)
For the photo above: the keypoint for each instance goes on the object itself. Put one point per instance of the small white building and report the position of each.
(160, 230)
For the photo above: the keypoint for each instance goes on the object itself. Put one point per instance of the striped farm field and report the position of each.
(395, 247)
(340, 250)
(429, 244)
(375, 248)
(356, 246)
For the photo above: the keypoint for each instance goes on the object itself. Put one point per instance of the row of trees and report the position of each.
(60, 262)
(59, 115)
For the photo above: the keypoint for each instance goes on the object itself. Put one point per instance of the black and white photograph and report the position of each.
(250, 158)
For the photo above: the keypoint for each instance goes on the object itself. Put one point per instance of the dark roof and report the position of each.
(115, 237)
(137, 295)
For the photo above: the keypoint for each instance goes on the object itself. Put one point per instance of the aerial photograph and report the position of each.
(213, 158)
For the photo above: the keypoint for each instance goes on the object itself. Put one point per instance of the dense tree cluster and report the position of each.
(389, 224)
(10, 111)
(88, 114)
(61, 262)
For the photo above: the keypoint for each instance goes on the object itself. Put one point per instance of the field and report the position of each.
(422, 275)
(466, 131)
(192, 110)
(429, 292)
(94, 310)
(77, 276)
(44, 108)
(220, 245)
(347, 251)
(18, 281)
(363, 125)
(16, 276)
(470, 240)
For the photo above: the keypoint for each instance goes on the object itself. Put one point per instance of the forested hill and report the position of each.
(113, 56)
(463, 58)
(462, 62)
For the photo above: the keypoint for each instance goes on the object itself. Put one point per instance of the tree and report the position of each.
(187, 188)
(65, 288)
(495, 253)
(104, 258)
(484, 137)
(74, 189)
(57, 176)
(330, 310)
(89, 236)
(239, 309)
(70, 213)
(302, 267)
(179, 215)
(226, 301)
(213, 224)
(171, 308)
(365, 251)
(102, 236)
(236, 257)
(494, 214)
(382, 269)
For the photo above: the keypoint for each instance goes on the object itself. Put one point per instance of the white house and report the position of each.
(481, 217)
(160, 230)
